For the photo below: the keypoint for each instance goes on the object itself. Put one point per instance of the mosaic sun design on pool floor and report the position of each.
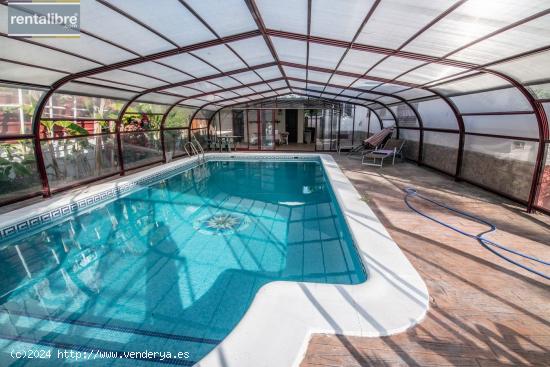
(221, 223)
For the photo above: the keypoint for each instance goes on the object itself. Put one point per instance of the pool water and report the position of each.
(174, 266)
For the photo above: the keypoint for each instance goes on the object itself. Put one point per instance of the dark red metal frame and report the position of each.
(267, 34)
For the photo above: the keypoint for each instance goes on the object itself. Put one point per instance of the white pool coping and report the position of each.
(276, 329)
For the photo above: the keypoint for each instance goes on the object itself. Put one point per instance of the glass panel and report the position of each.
(440, 150)
(290, 50)
(126, 77)
(523, 38)
(253, 129)
(387, 118)
(341, 80)
(72, 160)
(394, 22)
(295, 72)
(158, 71)
(247, 77)
(121, 30)
(513, 125)
(324, 56)
(141, 121)
(174, 141)
(437, 114)
(405, 115)
(414, 93)
(160, 98)
(502, 164)
(231, 18)
(362, 126)
(284, 15)
(509, 99)
(393, 67)
(224, 82)
(359, 62)
(543, 198)
(345, 135)
(18, 170)
(75, 107)
(472, 84)
(271, 72)
(179, 117)
(253, 50)
(16, 110)
(540, 91)
(470, 21)
(430, 73)
(78, 88)
(410, 149)
(25, 52)
(189, 64)
(26, 74)
(64, 128)
(531, 69)
(278, 84)
(338, 19)
(173, 15)
(318, 76)
(268, 130)
(140, 147)
(220, 57)
(148, 108)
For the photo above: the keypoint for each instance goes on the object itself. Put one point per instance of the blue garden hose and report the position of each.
(486, 243)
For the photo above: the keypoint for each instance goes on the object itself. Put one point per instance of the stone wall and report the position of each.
(512, 177)
(441, 157)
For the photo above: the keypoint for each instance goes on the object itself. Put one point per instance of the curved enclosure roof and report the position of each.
(198, 53)
(472, 75)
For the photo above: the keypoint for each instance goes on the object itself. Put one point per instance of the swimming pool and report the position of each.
(173, 266)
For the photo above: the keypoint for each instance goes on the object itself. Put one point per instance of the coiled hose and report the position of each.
(486, 243)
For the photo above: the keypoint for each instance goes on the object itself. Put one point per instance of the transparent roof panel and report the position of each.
(387, 100)
(261, 88)
(430, 72)
(359, 61)
(290, 50)
(121, 30)
(203, 86)
(173, 15)
(284, 15)
(232, 17)
(526, 37)
(500, 100)
(25, 74)
(220, 57)
(513, 125)
(182, 91)
(318, 76)
(253, 50)
(95, 80)
(243, 91)
(394, 66)
(295, 83)
(278, 84)
(189, 64)
(227, 95)
(365, 84)
(395, 21)
(159, 98)
(89, 47)
(247, 77)
(351, 93)
(535, 68)
(325, 56)
(84, 89)
(295, 72)
(159, 71)
(471, 21)
(125, 77)
(414, 93)
(42, 56)
(225, 82)
(194, 102)
(334, 90)
(338, 19)
(471, 84)
(389, 88)
(341, 80)
(271, 72)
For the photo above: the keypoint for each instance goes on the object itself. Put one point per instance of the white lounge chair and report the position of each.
(393, 148)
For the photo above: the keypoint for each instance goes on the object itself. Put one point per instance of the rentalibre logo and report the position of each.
(44, 18)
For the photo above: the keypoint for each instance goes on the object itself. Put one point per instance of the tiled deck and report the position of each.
(483, 311)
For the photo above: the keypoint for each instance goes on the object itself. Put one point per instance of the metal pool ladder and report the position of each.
(195, 148)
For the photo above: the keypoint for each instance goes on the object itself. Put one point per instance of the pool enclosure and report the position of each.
(466, 83)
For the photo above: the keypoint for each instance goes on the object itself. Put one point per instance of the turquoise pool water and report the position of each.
(172, 267)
